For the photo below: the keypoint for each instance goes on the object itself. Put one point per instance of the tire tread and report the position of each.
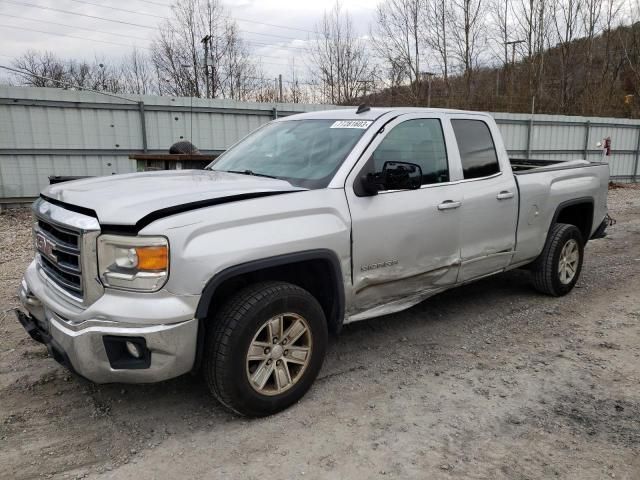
(543, 270)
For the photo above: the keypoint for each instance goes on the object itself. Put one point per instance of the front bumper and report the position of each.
(77, 339)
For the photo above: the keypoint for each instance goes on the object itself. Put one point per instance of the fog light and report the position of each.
(133, 349)
(127, 352)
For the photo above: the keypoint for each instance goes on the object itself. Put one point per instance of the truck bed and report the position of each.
(522, 166)
(545, 185)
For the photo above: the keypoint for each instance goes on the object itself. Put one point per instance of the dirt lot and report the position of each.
(487, 381)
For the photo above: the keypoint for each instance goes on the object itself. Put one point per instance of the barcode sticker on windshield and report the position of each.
(363, 124)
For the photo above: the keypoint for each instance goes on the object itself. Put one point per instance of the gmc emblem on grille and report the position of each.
(46, 247)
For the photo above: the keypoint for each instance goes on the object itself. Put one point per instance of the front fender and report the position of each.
(208, 241)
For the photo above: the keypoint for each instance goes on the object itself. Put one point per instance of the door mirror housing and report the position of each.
(394, 176)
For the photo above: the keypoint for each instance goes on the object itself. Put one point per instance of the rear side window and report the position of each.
(477, 151)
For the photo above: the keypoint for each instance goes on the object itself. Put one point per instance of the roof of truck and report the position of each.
(373, 113)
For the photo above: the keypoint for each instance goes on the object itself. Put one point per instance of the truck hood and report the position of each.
(136, 198)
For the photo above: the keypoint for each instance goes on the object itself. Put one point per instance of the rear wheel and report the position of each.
(265, 349)
(558, 267)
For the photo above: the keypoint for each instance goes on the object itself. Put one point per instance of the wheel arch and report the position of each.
(578, 212)
(317, 271)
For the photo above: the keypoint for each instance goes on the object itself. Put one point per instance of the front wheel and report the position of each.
(558, 267)
(265, 348)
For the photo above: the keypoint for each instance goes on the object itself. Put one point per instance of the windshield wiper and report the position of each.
(250, 172)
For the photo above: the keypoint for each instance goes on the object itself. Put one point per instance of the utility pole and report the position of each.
(428, 76)
(280, 97)
(205, 42)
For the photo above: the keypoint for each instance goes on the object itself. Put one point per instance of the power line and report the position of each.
(133, 36)
(257, 56)
(116, 9)
(121, 44)
(143, 13)
(79, 14)
(156, 3)
(273, 35)
(69, 36)
(72, 26)
(123, 22)
(275, 25)
(147, 14)
(286, 47)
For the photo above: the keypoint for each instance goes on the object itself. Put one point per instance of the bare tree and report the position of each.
(47, 70)
(630, 41)
(397, 37)
(237, 71)
(137, 74)
(338, 57)
(469, 37)
(567, 28)
(501, 28)
(199, 52)
(169, 60)
(294, 91)
(37, 66)
(216, 30)
(436, 27)
(533, 19)
(611, 21)
(500, 15)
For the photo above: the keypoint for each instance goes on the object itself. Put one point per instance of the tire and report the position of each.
(549, 275)
(247, 320)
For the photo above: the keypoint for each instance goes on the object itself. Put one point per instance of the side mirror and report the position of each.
(394, 176)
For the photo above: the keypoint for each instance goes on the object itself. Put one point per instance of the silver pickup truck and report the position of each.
(241, 270)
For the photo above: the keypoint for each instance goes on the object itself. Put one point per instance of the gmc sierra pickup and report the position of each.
(241, 270)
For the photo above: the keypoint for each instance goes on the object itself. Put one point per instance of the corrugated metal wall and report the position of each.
(49, 131)
(569, 138)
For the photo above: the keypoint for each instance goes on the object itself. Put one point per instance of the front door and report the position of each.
(405, 242)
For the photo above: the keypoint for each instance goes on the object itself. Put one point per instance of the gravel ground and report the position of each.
(490, 380)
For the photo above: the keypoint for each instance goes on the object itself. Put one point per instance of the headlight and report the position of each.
(133, 263)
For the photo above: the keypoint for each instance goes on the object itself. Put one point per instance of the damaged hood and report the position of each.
(129, 199)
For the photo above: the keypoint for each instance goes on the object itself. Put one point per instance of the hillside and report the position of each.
(597, 78)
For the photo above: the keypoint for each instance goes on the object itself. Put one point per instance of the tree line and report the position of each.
(553, 56)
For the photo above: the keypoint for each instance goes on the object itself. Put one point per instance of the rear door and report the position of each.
(490, 211)
(405, 242)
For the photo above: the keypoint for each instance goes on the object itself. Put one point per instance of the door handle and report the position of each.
(504, 195)
(449, 205)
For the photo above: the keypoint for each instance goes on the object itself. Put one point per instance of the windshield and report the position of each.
(306, 153)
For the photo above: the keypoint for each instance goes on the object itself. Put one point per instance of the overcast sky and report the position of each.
(252, 16)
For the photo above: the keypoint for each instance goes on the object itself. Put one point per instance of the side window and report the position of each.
(419, 141)
(477, 151)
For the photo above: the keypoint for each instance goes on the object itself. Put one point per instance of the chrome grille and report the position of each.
(59, 251)
(65, 241)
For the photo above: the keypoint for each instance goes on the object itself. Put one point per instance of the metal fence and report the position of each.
(48, 131)
(569, 138)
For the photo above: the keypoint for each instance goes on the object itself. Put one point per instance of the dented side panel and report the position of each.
(404, 248)
(403, 245)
